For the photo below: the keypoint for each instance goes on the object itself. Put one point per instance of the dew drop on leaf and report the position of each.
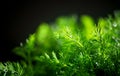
(118, 44)
(114, 25)
(21, 44)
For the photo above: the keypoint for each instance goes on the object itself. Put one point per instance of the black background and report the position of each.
(22, 17)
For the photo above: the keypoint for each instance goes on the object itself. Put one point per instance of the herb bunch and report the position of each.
(73, 47)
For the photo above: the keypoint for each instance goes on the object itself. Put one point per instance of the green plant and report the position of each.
(73, 48)
(11, 69)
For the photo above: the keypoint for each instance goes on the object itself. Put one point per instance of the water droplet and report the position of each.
(91, 70)
(5, 70)
(113, 37)
(97, 64)
(26, 40)
(118, 60)
(113, 64)
(71, 36)
(114, 24)
(62, 72)
(110, 28)
(78, 67)
(56, 73)
(118, 44)
(21, 44)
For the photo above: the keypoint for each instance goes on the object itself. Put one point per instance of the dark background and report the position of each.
(22, 17)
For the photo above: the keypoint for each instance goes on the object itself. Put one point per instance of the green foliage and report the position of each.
(70, 47)
(11, 69)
